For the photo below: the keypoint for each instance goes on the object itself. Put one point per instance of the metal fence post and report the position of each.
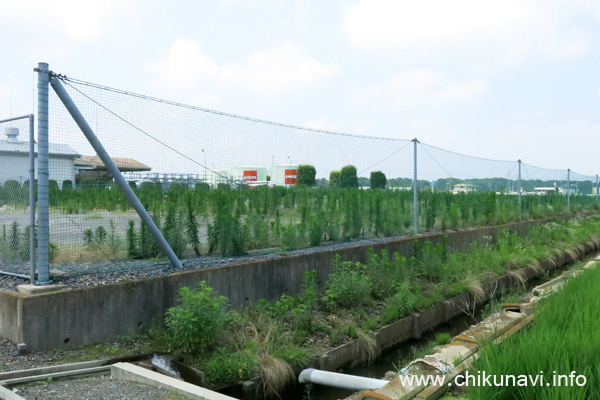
(569, 190)
(43, 195)
(31, 199)
(519, 189)
(114, 171)
(415, 204)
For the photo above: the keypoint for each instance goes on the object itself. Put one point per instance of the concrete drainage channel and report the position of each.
(450, 360)
(414, 326)
(141, 372)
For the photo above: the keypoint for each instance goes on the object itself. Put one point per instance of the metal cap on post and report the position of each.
(43, 196)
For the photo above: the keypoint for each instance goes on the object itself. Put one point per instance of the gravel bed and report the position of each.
(10, 361)
(93, 388)
(85, 275)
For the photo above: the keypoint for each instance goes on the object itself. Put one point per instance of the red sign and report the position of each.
(250, 176)
(290, 176)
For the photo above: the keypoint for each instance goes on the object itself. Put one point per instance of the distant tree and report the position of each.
(334, 178)
(132, 184)
(147, 185)
(378, 180)
(305, 175)
(348, 177)
(12, 184)
(67, 184)
(223, 186)
(201, 186)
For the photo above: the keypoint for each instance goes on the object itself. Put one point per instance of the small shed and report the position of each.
(92, 167)
(464, 188)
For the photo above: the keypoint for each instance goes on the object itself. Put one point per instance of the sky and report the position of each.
(506, 80)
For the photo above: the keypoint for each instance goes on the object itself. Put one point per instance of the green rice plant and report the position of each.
(562, 339)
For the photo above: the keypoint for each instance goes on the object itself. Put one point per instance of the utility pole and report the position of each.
(569, 190)
(519, 190)
(415, 204)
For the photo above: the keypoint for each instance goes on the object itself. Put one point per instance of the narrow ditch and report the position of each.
(398, 356)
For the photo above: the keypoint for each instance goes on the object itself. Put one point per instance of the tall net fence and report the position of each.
(14, 196)
(224, 185)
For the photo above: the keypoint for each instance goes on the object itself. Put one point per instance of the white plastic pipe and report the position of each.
(341, 381)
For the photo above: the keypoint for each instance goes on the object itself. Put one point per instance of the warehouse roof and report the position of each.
(124, 164)
(22, 148)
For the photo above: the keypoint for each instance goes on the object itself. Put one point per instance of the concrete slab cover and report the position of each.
(134, 373)
(32, 289)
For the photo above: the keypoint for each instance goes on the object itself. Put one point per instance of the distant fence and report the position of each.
(194, 170)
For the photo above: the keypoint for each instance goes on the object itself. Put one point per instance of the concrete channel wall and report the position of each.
(90, 315)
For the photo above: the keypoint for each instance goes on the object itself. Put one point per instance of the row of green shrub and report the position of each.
(232, 222)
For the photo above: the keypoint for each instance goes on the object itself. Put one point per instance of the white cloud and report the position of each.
(462, 91)
(284, 69)
(555, 142)
(79, 20)
(569, 45)
(188, 72)
(185, 65)
(412, 88)
(492, 32)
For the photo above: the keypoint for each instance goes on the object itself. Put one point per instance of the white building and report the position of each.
(284, 175)
(14, 160)
(248, 174)
(464, 188)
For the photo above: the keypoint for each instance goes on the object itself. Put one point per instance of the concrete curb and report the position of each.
(134, 373)
(103, 370)
(7, 394)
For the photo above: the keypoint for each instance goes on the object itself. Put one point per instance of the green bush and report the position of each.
(348, 286)
(306, 175)
(11, 184)
(348, 177)
(377, 180)
(196, 322)
(334, 178)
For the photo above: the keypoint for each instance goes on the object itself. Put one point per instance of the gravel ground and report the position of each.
(86, 275)
(93, 388)
(10, 361)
